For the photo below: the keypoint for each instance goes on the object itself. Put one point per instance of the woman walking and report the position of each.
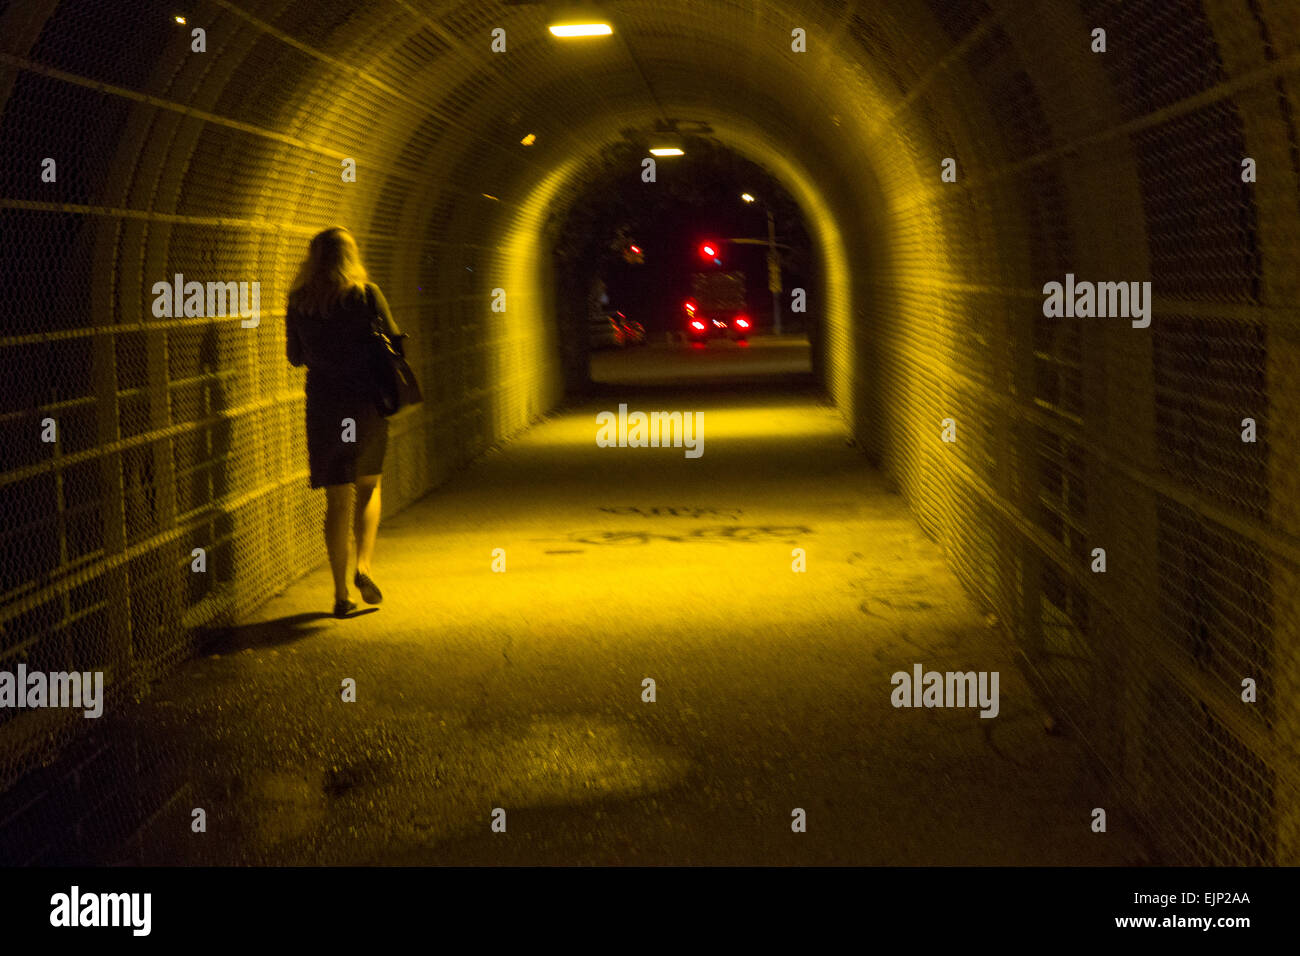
(332, 305)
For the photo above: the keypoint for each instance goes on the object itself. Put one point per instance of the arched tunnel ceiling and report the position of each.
(577, 96)
(1123, 165)
(855, 114)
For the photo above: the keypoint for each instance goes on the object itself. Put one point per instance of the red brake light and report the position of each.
(698, 325)
(742, 322)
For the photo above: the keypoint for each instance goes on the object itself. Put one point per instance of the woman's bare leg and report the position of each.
(366, 520)
(338, 524)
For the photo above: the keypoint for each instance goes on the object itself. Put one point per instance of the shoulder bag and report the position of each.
(395, 384)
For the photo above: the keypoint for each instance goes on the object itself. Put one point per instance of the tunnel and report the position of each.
(1116, 494)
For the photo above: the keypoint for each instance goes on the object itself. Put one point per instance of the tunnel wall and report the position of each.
(1077, 434)
(188, 432)
(1072, 434)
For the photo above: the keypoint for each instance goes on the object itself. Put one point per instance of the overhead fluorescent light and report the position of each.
(581, 29)
(666, 151)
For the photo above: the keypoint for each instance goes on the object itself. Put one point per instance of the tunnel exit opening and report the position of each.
(638, 301)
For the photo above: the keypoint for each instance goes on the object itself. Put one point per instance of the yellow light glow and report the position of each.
(747, 197)
(666, 151)
(581, 29)
(180, 20)
(526, 383)
(528, 140)
(490, 196)
(764, 421)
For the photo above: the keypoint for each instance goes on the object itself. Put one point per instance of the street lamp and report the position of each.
(773, 264)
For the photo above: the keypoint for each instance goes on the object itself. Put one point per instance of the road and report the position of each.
(659, 363)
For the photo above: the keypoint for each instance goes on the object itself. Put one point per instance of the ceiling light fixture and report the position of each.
(567, 30)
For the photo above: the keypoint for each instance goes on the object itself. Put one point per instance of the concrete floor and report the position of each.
(523, 690)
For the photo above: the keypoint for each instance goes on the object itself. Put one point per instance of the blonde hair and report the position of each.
(331, 270)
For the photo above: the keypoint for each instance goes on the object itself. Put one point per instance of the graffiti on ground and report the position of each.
(675, 512)
(714, 533)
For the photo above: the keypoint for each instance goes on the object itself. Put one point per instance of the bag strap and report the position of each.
(398, 340)
(375, 324)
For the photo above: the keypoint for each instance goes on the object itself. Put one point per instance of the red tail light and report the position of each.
(698, 325)
(742, 323)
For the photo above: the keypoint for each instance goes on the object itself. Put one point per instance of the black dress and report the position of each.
(332, 346)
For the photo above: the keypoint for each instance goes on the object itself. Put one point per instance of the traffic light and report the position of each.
(711, 252)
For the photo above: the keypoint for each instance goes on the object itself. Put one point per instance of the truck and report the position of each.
(717, 308)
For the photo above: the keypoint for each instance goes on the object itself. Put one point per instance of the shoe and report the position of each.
(344, 608)
(369, 593)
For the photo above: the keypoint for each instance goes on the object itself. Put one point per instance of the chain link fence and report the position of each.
(184, 432)
(139, 444)
(1171, 448)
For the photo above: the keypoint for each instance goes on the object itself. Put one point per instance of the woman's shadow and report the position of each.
(277, 632)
